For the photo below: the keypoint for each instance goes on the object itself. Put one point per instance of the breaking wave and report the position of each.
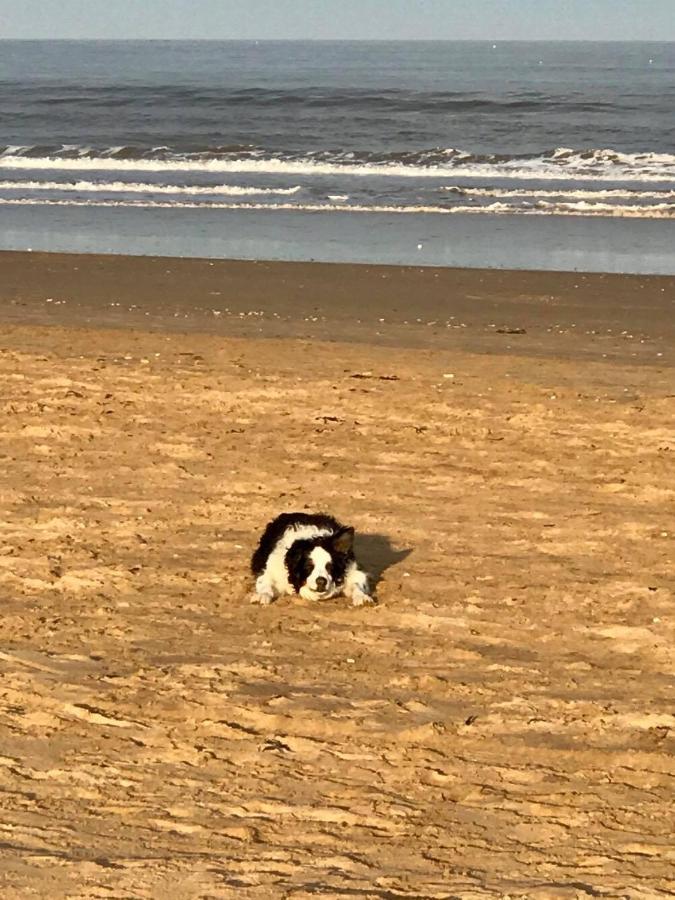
(560, 164)
(556, 182)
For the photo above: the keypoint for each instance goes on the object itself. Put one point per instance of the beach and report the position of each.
(501, 724)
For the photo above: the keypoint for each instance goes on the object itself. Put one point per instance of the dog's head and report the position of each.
(316, 568)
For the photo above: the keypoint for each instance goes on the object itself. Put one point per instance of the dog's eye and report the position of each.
(329, 568)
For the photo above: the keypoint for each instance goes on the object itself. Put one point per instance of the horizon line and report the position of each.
(322, 40)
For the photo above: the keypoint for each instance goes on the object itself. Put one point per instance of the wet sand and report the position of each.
(621, 317)
(501, 724)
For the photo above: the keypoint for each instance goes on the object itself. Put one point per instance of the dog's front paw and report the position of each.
(261, 599)
(361, 599)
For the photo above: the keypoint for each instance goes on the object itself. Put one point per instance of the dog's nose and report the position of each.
(321, 584)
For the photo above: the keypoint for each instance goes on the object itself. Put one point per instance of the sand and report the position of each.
(625, 318)
(501, 724)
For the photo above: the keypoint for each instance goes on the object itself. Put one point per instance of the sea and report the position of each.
(517, 155)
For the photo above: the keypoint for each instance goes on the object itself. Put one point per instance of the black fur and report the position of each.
(339, 544)
(298, 563)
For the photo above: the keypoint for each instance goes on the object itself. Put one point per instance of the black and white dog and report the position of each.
(309, 555)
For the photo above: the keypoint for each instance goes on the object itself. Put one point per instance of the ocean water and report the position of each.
(383, 129)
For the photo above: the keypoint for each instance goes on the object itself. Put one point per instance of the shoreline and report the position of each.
(501, 242)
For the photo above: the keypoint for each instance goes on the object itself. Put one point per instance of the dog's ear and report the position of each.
(343, 540)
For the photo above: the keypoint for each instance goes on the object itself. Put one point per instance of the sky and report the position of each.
(341, 19)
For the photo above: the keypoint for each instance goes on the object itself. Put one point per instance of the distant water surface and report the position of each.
(443, 128)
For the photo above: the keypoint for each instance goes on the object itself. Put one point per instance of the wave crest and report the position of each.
(559, 164)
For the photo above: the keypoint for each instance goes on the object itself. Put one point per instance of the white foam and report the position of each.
(583, 208)
(112, 187)
(562, 165)
(244, 166)
(656, 210)
(561, 193)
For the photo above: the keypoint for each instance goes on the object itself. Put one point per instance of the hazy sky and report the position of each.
(372, 19)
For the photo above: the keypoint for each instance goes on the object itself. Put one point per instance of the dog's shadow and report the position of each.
(376, 554)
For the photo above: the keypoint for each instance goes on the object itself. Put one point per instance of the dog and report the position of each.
(310, 555)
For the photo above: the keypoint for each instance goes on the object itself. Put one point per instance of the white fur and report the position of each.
(310, 591)
(274, 580)
(356, 586)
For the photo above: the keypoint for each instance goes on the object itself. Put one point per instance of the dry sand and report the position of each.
(502, 724)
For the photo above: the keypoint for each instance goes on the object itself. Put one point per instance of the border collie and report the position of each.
(309, 555)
